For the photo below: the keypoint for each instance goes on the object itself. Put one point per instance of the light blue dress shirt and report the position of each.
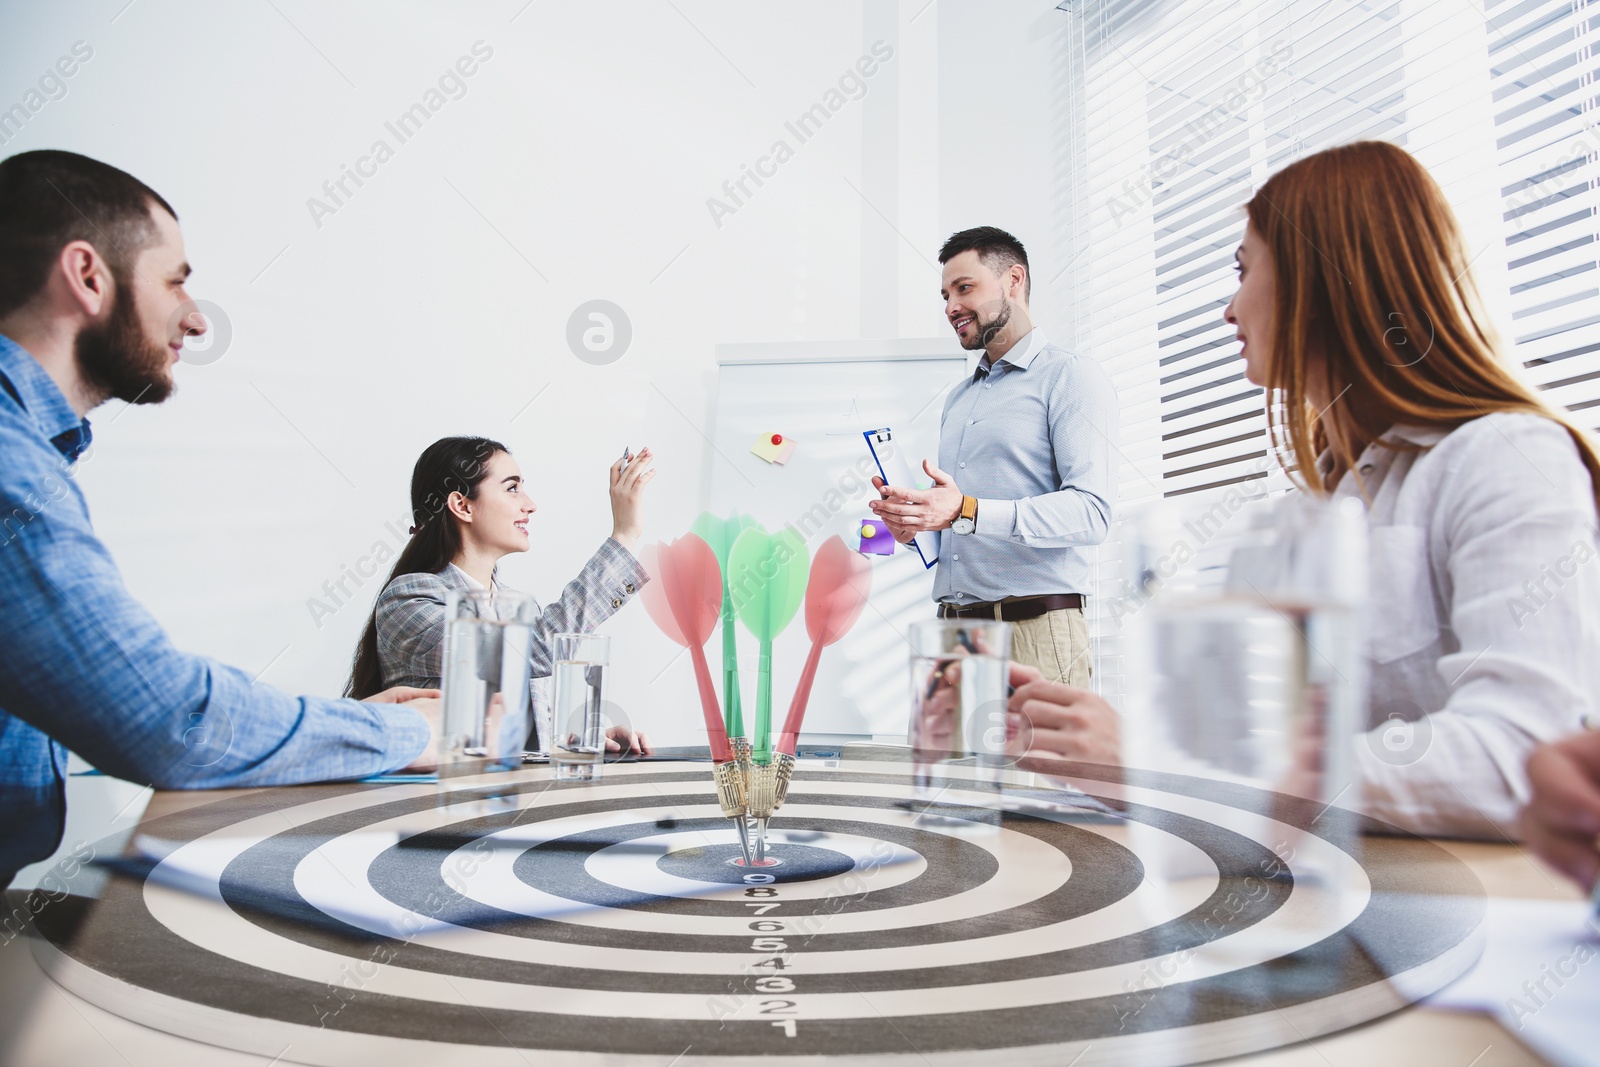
(85, 667)
(1031, 438)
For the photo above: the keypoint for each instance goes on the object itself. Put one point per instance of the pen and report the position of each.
(935, 679)
(1594, 894)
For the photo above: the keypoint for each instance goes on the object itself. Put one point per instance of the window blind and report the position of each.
(1545, 76)
(1186, 106)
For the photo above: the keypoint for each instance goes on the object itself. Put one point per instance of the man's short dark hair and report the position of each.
(996, 249)
(50, 198)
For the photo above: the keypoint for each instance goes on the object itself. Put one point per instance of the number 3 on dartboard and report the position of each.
(774, 985)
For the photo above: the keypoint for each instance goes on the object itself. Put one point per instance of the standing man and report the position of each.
(1027, 444)
(93, 307)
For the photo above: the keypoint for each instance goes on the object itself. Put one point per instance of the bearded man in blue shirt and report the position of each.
(1027, 470)
(93, 307)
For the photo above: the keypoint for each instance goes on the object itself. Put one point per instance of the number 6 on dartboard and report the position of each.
(766, 926)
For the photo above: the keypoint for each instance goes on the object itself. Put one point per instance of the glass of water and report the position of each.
(488, 642)
(959, 675)
(578, 741)
(1241, 622)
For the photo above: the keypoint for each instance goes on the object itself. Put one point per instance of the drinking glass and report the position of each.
(959, 677)
(578, 740)
(488, 642)
(1241, 621)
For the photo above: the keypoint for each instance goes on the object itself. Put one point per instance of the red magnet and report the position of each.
(777, 438)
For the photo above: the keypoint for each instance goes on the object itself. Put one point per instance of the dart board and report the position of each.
(911, 916)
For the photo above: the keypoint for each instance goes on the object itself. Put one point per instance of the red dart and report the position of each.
(654, 595)
(836, 594)
(691, 586)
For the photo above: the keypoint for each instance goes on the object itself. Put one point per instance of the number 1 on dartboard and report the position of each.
(780, 1007)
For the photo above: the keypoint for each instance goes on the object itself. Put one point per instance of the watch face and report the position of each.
(962, 526)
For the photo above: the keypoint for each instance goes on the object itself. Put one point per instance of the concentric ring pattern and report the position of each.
(501, 913)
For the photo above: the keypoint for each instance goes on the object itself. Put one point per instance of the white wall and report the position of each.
(435, 300)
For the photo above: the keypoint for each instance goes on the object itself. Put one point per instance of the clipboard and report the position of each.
(894, 470)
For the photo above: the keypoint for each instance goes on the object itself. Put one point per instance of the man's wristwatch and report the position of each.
(967, 521)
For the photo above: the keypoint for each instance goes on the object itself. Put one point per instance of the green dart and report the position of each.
(720, 535)
(767, 584)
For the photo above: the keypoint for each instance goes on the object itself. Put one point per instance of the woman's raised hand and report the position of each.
(627, 495)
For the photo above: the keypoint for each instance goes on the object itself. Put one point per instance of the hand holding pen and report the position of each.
(1562, 820)
(629, 476)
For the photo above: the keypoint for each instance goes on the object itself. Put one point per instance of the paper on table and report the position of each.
(894, 470)
(1538, 976)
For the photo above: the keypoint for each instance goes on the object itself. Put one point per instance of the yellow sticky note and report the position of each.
(770, 446)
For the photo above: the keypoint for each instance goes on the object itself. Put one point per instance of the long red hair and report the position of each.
(1375, 297)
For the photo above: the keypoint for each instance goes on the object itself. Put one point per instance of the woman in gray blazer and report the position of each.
(470, 508)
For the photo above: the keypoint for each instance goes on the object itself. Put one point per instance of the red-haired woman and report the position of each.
(1358, 314)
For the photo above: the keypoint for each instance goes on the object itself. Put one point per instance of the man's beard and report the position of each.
(984, 333)
(118, 360)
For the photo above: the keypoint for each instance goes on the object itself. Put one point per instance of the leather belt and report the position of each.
(1026, 607)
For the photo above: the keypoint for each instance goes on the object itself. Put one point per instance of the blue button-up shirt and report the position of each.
(1031, 437)
(84, 667)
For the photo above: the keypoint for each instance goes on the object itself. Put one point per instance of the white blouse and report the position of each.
(1484, 632)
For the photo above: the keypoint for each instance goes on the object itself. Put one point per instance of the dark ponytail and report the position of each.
(449, 465)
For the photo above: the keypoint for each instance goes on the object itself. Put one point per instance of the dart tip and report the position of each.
(744, 837)
(761, 842)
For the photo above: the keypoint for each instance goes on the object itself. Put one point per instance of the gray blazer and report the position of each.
(410, 615)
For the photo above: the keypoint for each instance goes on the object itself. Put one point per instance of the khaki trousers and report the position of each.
(1057, 643)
